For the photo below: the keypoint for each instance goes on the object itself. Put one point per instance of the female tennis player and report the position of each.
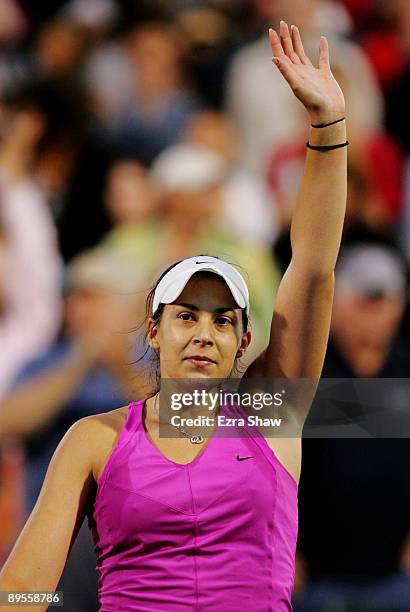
(182, 523)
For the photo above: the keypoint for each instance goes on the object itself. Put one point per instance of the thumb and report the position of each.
(324, 62)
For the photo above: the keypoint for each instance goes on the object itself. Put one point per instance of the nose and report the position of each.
(203, 333)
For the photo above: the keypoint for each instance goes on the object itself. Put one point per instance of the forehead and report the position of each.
(207, 292)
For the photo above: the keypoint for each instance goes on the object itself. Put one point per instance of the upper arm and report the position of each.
(300, 327)
(39, 555)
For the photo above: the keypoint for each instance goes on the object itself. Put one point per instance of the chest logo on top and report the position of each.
(243, 458)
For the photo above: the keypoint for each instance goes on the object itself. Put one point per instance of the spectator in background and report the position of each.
(247, 207)
(266, 121)
(109, 80)
(31, 269)
(58, 51)
(13, 27)
(387, 42)
(55, 164)
(397, 92)
(72, 160)
(375, 198)
(354, 495)
(189, 180)
(81, 219)
(13, 24)
(369, 303)
(131, 202)
(95, 17)
(397, 96)
(55, 62)
(107, 70)
(30, 280)
(366, 217)
(212, 36)
(362, 12)
(387, 46)
(87, 372)
(161, 103)
(130, 198)
(103, 66)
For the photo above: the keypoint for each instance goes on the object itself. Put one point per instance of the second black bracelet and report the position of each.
(328, 147)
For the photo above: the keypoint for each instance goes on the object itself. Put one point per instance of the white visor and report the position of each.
(173, 283)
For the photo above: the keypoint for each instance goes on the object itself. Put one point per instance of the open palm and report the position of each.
(316, 88)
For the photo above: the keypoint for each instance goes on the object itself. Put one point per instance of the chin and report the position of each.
(201, 374)
(190, 372)
(198, 375)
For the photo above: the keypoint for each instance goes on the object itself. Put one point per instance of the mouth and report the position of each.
(200, 360)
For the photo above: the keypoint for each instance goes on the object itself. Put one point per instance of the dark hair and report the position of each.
(149, 353)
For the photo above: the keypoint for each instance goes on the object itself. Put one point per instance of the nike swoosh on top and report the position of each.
(243, 458)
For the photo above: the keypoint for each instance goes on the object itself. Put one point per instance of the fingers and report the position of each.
(288, 51)
(281, 50)
(298, 46)
(276, 45)
(287, 43)
(324, 62)
(289, 46)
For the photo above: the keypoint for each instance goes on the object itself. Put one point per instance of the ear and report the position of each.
(245, 342)
(152, 334)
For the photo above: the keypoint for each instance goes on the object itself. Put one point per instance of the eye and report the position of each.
(223, 321)
(186, 316)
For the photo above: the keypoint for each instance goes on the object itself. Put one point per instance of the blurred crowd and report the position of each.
(136, 133)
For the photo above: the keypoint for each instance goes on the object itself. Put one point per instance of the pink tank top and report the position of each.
(215, 534)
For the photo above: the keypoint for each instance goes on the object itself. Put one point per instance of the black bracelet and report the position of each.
(327, 148)
(322, 125)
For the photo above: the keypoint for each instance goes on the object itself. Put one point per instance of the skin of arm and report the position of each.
(40, 553)
(301, 319)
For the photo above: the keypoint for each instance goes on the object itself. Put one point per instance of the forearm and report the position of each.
(38, 557)
(318, 217)
(9, 584)
(34, 403)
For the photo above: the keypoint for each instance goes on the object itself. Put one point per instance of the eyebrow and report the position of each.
(195, 308)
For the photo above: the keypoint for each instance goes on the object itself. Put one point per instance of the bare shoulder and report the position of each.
(97, 436)
(106, 421)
